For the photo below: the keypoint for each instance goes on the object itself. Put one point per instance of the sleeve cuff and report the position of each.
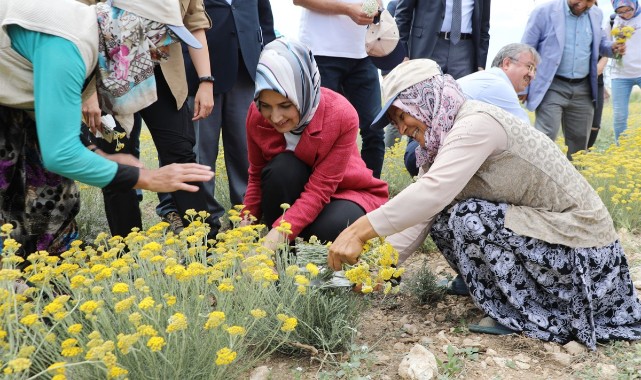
(125, 179)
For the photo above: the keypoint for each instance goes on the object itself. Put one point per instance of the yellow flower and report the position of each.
(135, 318)
(177, 322)
(299, 279)
(116, 371)
(74, 329)
(236, 330)
(57, 367)
(146, 303)
(291, 270)
(124, 305)
(125, 342)
(6, 228)
(215, 319)
(70, 348)
(225, 356)
(120, 287)
(147, 330)
(89, 306)
(258, 313)
(312, 269)
(226, 286)
(19, 365)
(289, 323)
(29, 320)
(171, 300)
(156, 343)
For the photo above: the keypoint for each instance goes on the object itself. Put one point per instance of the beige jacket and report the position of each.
(72, 21)
(194, 18)
(490, 154)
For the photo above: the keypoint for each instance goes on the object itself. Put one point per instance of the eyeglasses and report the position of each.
(531, 68)
(623, 12)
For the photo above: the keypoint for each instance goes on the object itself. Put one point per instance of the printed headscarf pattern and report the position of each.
(128, 47)
(634, 4)
(289, 68)
(435, 102)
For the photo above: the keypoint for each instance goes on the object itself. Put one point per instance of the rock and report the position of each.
(575, 348)
(551, 347)
(635, 274)
(439, 318)
(399, 346)
(501, 362)
(488, 361)
(522, 358)
(521, 365)
(483, 365)
(467, 342)
(425, 341)
(260, 373)
(441, 336)
(404, 320)
(418, 364)
(608, 371)
(410, 329)
(491, 352)
(562, 358)
(381, 358)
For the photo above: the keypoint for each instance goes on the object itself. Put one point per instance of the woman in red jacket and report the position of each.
(301, 141)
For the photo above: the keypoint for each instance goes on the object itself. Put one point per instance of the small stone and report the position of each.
(441, 336)
(575, 348)
(260, 373)
(562, 358)
(381, 358)
(483, 365)
(404, 320)
(550, 347)
(608, 371)
(399, 346)
(491, 352)
(410, 329)
(467, 342)
(522, 358)
(439, 318)
(425, 341)
(521, 365)
(501, 362)
(489, 361)
(418, 364)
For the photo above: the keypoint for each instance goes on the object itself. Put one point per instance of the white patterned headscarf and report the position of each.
(129, 46)
(288, 67)
(436, 102)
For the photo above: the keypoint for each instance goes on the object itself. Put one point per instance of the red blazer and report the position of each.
(328, 146)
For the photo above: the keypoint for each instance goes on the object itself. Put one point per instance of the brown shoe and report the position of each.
(175, 222)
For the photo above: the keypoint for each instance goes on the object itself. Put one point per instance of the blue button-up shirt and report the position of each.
(575, 62)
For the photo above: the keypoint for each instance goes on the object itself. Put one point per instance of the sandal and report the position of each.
(488, 325)
(456, 286)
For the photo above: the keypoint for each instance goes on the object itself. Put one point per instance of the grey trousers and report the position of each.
(569, 106)
(456, 60)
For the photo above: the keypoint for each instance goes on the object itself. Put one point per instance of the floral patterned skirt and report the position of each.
(41, 205)
(548, 291)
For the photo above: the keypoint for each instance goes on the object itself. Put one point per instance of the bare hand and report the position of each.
(170, 178)
(125, 159)
(618, 48)
(355, 12)
(91, 113)
(273, 239)
(345, 249)
(204, 100)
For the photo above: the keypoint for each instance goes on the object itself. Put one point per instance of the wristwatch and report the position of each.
(207, 79)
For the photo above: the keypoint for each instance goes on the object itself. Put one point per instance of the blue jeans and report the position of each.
(357, 80)
(621, 89)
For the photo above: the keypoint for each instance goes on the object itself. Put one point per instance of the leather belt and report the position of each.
(446, 36)
(571, 80)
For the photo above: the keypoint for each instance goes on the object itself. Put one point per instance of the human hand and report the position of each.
(273, 239)
(618, 48)
(204, 100)
(355, 12)
(170, 178)
(523, 98)
(345, 249)
(91, 113)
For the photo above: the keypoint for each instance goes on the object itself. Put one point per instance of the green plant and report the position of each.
(357, 367)
(424, 286)
(451, 366)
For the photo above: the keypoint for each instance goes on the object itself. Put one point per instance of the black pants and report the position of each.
(173, 134)
(283, 180)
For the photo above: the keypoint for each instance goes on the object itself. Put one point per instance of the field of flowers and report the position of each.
(157, 305)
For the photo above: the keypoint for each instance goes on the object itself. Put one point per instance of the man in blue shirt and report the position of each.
(513, 69)
(568, 34)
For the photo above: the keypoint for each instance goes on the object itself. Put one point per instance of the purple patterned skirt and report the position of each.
(41, 205)
(547, 291)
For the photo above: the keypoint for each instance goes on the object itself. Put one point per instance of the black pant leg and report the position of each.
(337, 215)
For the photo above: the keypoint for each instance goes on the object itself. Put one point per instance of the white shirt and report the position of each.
(630, 64)
(467, 7)
(494, 87)
(332, 35)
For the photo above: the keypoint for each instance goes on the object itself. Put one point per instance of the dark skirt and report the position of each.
(41, 205)
(548, 291)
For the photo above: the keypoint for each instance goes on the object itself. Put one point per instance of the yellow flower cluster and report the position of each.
(376, 267)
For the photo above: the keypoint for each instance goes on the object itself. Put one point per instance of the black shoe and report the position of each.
(175, 222)
(456, 287)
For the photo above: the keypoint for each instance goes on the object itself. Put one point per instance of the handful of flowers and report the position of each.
(620, 34)
(376, 269)
(370, 7)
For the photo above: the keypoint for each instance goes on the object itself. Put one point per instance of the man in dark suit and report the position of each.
(240, 29)
(454, 33)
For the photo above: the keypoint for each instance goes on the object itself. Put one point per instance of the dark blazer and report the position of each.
(420, 21)
(238, 33)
